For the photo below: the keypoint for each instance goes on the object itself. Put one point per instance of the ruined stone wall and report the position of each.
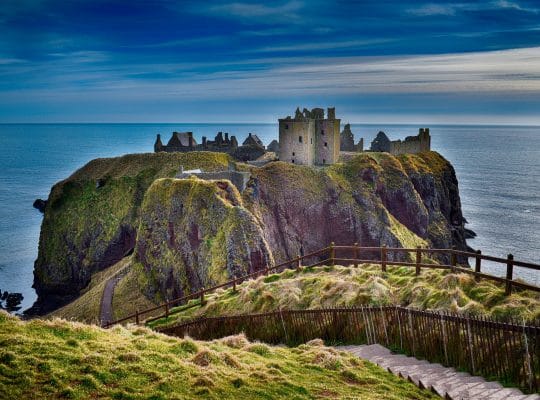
(296, 141)
(327, 141)
(412, 144)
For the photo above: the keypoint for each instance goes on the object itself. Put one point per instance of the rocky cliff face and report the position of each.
(373, 199)
(194, 234)
(191, 233)
(91, 219)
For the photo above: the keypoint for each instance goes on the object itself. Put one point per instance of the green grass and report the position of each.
(44, 359)
(338, 286)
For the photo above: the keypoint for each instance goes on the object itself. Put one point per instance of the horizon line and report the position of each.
(268, 123)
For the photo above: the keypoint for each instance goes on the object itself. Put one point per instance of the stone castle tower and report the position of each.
(309, 138)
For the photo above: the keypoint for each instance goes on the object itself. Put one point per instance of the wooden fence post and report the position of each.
(332, 253)
(453, 259)
(477, 265)
(509, 273)
(298, 263)
(356, 255)
(234, 286)
(137, 317)
(202, 297)
(383, 257)
(418, 259)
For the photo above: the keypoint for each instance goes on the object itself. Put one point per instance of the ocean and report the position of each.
(498, 169)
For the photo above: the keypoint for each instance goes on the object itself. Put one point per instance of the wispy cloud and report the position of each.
(452, 8)
(256, 12)
(321, 46)
(427, 10)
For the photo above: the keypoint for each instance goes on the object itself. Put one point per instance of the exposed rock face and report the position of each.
(371, 200)
(191, 233)
(195, 234)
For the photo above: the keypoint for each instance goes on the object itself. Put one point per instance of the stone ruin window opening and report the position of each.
(300, 139)
(293, 161)
(293, 154)
(324, 161)
(311, 140)
(322, 131)
(325, 144)
(286, 126)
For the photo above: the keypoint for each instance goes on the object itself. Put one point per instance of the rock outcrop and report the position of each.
(195, 233)
(192, 233)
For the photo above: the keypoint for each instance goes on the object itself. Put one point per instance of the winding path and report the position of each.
(446, 382)
(105, 313)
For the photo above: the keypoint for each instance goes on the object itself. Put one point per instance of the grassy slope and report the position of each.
(58, 359)
(346, 286)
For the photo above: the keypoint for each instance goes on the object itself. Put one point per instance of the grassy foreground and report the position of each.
(338, 286)
(44, 359)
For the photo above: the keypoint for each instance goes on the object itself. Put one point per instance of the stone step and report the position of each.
(446, 382)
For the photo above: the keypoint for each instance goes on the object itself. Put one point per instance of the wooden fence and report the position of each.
(355, 255)
(508, 352)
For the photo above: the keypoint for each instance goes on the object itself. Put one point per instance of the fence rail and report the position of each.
(508, 352)
(385, 256)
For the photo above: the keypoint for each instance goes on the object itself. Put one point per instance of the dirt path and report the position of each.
(105, 313)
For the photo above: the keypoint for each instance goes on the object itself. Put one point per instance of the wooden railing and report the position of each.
(508, 352)
(385, 256)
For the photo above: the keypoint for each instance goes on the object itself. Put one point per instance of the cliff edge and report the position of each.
(186, 234)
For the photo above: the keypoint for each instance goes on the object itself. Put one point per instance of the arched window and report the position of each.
(300, 139)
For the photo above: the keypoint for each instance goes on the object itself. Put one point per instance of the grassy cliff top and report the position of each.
(58, 359)
(164, 164)
(338, 286)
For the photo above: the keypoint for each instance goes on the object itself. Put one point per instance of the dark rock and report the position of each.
(40, 205)
(469, 233)
(11, 301)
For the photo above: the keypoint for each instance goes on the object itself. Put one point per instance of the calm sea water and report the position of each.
(498, 169)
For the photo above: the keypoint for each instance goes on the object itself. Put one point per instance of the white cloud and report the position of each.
(497, 73)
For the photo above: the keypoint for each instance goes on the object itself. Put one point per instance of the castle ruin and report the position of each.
(184, 141)
(309, 138)
(411, 144)
(347, 140)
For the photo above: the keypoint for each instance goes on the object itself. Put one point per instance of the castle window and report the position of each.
(293, 161)
(311, 140)
(286, 126)
(300, 139)
(293, 154)
(322, 131)
(325, 144)
(324, 161)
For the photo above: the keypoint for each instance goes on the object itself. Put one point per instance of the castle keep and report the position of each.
(309, 138)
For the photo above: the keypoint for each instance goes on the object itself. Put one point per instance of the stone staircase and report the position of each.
(446, 382)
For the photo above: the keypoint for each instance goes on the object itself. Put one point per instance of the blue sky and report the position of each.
(212, 61)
